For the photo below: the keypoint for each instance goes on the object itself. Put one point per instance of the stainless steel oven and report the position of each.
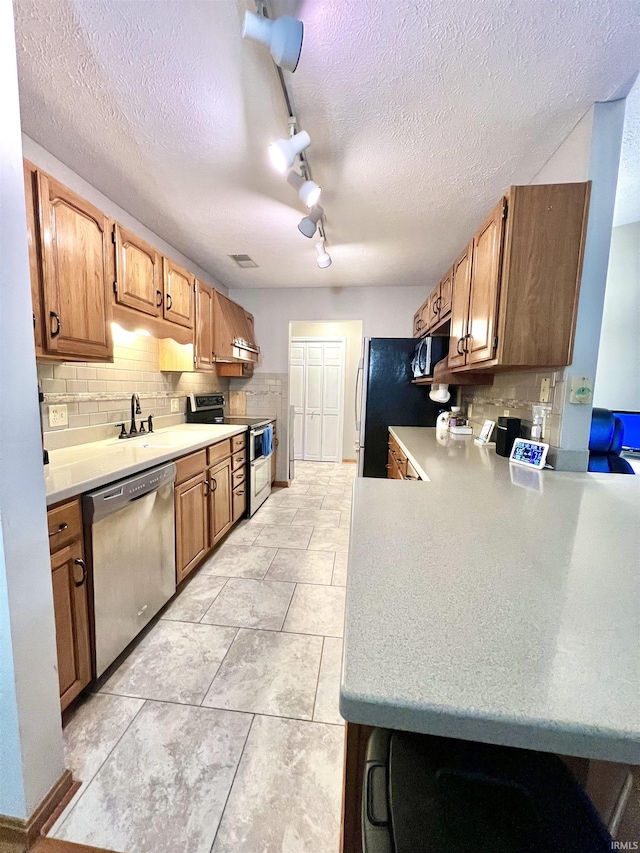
(209, 409)
(260, 452)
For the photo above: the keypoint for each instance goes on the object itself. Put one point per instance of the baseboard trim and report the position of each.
(17, 835)
(349, 461)
(282, 484)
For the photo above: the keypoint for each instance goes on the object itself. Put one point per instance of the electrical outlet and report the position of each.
(545, 388)
(58, 416)
(175, 405)
(581, 390)
(506, 413)
(470, 410)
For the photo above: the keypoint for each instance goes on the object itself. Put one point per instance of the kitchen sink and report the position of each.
(163, 440)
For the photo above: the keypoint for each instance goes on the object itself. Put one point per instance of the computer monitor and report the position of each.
(631, 424)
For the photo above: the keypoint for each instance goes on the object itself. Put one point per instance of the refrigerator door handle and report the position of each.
(358, 375)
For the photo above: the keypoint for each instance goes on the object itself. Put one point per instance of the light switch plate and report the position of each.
(545, 387)
(58, 416)
(581, 390)
(175, 405)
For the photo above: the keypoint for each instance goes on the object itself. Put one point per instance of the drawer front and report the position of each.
(238, 442)
(65, 524)
(219, 451)
(239, 460)
(239, 502)
(190, 465)
(238, 477)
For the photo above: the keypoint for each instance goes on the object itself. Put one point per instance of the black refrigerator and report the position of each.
(385, 396)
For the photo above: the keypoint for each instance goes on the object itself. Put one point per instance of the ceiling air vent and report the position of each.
(244, 261)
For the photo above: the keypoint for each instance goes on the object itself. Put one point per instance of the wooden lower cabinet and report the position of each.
(71, 612)
(239, 502)
(220, 510)
(192, 524)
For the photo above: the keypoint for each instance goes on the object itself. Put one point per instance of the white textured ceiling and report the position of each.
(420, 114)
(628, 190)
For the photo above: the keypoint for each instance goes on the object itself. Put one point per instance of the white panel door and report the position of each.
(297, 393)
(313, 402)
(317, 395)
(333, 395)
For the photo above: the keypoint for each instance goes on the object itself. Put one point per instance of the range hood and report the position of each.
(233, 336)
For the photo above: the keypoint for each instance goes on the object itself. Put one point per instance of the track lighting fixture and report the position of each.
(308, 225)
(324, 258)
(284, 152)
(283, 37)
(308, 191)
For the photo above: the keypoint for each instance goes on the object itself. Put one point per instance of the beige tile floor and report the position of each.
(220, 733)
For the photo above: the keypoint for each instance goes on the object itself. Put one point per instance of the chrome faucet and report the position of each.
(135, 410)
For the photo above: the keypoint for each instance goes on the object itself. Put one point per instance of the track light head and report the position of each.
(308, 191)
(283, 37)
(324, 258)
(284, 152)
(308, 225)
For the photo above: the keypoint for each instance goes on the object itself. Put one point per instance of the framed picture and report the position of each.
(486, 433)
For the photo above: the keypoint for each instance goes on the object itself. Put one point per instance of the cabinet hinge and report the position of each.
(504, 211)
(113, 235)
(495, 342)
(195, 359)
(115, 286)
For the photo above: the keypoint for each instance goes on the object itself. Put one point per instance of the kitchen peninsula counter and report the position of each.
(495, 604)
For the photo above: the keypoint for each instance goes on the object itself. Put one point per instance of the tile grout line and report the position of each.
(224, 808)
(86, 786)
(214, 600)
(315, 695)
(217, 669)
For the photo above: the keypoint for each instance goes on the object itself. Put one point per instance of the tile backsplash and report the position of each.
(98, 395)
(266, 394)
(515, 392)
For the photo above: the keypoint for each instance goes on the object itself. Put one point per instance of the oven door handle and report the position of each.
(257, 432)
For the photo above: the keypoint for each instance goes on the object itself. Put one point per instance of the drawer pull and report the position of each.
(214, 484)
(83, 566)
(159, 302)
(206, 488)
(56, 331)
(241, 459)
(169, 302)
(239, 491)
(61, 528)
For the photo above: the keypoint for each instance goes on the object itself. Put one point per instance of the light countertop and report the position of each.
(496, 605)
(74, 470)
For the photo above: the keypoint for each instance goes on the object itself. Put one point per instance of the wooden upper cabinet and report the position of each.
(461, 275)
(204, 359)
(74, 242)
(138, 281)
(30, 190)
(445, 296)
(179, 287)
(417, 323)
(430, 312)
(480, 344)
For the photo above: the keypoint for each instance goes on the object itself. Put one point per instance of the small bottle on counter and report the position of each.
(455, 418)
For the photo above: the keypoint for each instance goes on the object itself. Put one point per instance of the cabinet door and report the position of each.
(74, 244)
(239, 502)
(417, 323)
(204, 327)
(460, 307)
(192, 527)
(34, 262)
(69, 576)
(220, 510)
(179, 287)
(138, 273)
(446, 291)
(430, 316)
(485, 287)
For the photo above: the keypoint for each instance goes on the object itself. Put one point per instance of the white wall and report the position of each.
(50, 164)
(590, 152)
(351, 330)
(384, 311)
(31, 759)
(618, 374)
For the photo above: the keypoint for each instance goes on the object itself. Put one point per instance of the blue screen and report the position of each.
(631, 424)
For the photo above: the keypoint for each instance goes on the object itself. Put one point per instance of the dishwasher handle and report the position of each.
(103, 502)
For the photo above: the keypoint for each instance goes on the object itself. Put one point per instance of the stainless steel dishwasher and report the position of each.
(133, 556)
